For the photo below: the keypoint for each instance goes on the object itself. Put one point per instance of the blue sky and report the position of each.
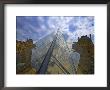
(37, 27)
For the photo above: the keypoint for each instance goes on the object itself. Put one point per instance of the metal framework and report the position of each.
(47, 49)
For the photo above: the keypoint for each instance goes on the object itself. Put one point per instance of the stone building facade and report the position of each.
(23, 56)
(85, 48)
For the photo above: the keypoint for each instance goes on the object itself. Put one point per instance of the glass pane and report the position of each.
(39, 52)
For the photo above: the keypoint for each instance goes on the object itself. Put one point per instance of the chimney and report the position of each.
(78, 38)
(90, 36)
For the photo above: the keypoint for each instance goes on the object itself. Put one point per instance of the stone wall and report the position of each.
(85, 47)
(23, 56)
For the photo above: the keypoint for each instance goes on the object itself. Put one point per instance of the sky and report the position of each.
(37, 27)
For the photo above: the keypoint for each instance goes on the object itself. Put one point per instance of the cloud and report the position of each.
(31, 27)
(75, 27)
(36, 27)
